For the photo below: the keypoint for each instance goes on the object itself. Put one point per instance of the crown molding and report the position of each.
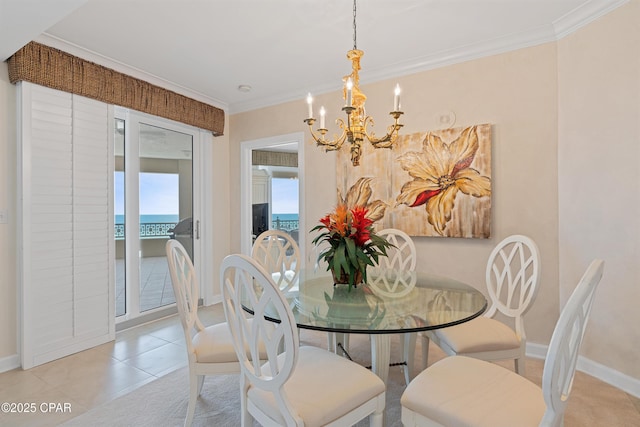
(583, 15)
(89, 55)
(470, 52)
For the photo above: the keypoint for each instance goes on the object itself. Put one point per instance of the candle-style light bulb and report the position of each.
(322, 114)
(310, 105)
(396, 98)
(349, 91)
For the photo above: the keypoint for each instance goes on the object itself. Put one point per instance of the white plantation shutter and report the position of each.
(66, 279)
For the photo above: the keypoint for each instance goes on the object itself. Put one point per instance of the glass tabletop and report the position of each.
(390, 301)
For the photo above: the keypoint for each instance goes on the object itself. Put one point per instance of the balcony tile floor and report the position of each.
(156, 290)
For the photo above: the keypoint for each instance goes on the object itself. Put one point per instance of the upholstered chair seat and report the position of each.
(483, 334)
(320, 395)
(450, 406)
(214, 344)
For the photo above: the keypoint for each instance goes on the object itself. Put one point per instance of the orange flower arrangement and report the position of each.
(353, 243)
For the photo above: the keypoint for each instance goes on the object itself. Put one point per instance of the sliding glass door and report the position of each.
(153, 193)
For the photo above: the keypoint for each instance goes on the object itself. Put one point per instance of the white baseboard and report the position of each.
(603, 373)
(610, 376)
(216, 299)
(10, 362)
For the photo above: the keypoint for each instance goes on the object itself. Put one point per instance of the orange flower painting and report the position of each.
(435, 183)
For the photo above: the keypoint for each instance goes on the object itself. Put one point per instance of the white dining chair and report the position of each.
(297, 386)
(465, 391)
(279, 254)
(209, 349)
(402, 256)
(512, 278)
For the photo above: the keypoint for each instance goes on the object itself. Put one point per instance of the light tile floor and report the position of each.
(90, 378)
(138, 356)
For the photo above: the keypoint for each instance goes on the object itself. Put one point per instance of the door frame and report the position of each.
(200, 175)
(246, 148)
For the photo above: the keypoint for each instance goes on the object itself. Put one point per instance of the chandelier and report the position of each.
(355, 128)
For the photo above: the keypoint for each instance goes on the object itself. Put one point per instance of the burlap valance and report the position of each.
(274, 158)
(50, 67)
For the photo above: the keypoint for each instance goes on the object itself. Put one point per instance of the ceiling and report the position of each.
(283, 49)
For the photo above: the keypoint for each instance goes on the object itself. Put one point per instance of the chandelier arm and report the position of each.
(320, 139)
(389, 139)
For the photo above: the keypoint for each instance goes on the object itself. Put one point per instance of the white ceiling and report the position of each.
(284, 48)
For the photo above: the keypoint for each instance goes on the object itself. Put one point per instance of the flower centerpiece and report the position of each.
(353, 243)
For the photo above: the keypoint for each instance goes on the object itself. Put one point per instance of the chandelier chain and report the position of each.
(354, 26)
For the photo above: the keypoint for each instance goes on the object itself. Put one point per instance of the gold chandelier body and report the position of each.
(355, 129)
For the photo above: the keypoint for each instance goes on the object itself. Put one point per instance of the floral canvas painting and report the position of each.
(435, 183)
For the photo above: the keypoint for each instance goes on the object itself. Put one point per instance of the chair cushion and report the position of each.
(322, 387)
(463, 391)
(479, 334)
(214, 344)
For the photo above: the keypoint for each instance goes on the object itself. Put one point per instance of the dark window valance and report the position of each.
(50, 67)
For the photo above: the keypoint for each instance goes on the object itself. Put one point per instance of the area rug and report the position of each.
(164, 401)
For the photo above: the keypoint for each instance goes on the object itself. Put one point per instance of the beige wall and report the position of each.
(517, 93)
(599, 148)
(8, 280)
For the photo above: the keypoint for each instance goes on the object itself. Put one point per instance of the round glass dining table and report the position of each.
(390, 302)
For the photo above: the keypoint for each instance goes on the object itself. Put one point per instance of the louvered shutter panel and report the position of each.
(65, 231)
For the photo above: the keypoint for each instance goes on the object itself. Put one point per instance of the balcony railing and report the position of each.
(285, 224)
(161, 229)
(148, 230)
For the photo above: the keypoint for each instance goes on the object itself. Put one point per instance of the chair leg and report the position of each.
(246, 420)
(195, 385)
(520, 365)
(377, 418)
(425, 350)
(200, 384)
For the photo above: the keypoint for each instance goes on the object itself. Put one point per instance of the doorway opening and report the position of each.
(272, 196)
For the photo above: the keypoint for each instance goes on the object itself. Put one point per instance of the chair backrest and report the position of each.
(245, 282)
(562, 356)
(512, 278)
(403, 255)
(279, 254)
(185, 288)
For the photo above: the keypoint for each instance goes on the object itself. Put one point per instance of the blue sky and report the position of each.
(158, 194)
(284, 195)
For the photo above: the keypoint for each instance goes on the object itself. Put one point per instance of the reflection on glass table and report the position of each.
(392, 301)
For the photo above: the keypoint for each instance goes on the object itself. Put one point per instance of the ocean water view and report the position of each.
(284, 216)
(150, 219)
